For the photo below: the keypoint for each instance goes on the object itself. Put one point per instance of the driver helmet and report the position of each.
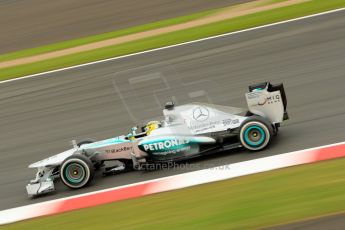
(152, 125)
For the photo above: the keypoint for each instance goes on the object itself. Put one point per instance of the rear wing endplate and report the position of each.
(268, 100)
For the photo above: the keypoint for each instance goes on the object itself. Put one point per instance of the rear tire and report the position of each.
(255, 133)
(76, 171)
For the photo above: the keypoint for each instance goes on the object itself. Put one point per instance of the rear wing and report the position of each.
(268, 101)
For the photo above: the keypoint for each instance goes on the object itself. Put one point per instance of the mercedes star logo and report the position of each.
(200, 113)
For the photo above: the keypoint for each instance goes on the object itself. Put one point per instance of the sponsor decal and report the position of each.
(270, 100)
(122, 149)
(200, 113)
(164, 145)
(174, 151)
(229, 121)
(204, 126)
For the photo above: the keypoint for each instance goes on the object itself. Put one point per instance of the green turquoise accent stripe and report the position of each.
(249, 142)
(191, 140)
(116, 140)
(72, 180)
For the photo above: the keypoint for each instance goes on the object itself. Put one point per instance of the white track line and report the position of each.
(180, 44)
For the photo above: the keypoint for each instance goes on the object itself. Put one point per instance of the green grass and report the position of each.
(230, 25)
(248, 202)
(113, 34)
(101, 37)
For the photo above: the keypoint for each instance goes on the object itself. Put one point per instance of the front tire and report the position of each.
(255, 134)
(76, 171)
(84, 142)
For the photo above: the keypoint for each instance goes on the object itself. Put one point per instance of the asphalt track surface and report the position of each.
(30, 23)
(39, 116)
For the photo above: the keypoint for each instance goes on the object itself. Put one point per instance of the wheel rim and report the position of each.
(254, 136)
(75, 173)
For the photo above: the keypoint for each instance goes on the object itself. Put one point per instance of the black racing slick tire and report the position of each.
(255, 133)
(76, 171)
(84, 142)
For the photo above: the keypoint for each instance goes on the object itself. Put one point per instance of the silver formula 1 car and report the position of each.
(187, 131)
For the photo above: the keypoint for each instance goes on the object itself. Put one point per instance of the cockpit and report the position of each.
(146, 130)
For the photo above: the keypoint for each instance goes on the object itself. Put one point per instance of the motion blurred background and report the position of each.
(40, 115)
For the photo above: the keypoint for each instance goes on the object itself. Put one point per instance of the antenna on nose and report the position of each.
(169, 105)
